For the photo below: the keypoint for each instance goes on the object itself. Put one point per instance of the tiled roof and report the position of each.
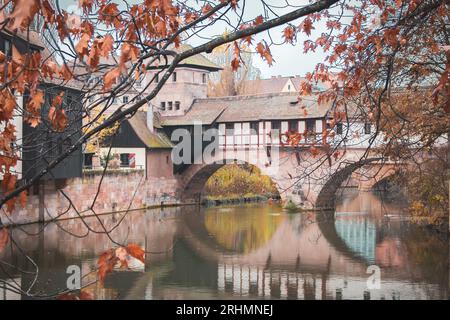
(281, 106)
(263, 86)
(198, 60)
(154, 140)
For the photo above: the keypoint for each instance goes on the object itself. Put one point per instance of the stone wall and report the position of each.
(119, 190)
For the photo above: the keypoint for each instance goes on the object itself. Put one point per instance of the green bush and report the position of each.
(236, 181)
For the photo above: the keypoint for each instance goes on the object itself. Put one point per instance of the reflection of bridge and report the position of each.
(322, 259)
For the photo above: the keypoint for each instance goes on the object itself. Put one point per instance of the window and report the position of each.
(124, 159)
(169, 105)
(177, 105)
(156, 77)
(8, 51)
(87, 160)
(125, 99)
(276, 125)
(163, 106)
(339, 128)
(289, 87)
(174, 77)
(310, 125)
(367, 128)
(293, 125)
(254, 127)
(229, 129)
(204, 77)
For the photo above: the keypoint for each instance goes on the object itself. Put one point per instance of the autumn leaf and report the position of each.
(314, 151)
(34, 108)
(258, 20)
(82, 45)
(264, 52)
(23, 13)
(105, 45)
(23, 198)
(306, 26)
(108, 259)
(235, 63)
(110, 78)
(106, 263)
(56, 114)
(390, 36)
(289, 34)
(86, 5)
(4, 237)
(136, 252)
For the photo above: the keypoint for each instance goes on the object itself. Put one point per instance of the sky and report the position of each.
(289, 60)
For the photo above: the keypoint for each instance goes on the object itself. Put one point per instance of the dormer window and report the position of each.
(157, 77)
(8, 51)
(174, 77)
(367, 128)
(339, 128)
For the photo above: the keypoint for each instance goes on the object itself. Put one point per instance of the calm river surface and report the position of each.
(254, 251)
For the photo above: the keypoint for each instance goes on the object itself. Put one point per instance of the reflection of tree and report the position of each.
(242, 232)
(428, 253)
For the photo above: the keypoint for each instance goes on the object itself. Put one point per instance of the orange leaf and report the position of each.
(4, 237)
(288, 34)
(110, 78)
(259, 19)
(57, 116)
(307, 26)
(136, 251)
(23, 13)
(82, 45)
(106, 45)
(106, 263)
(235, 64)
(23, 199)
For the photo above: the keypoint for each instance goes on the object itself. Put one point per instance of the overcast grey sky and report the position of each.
(289, 59)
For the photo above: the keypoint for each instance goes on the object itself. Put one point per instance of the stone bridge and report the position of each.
(308, 177)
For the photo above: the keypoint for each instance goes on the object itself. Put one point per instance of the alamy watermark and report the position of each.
(200, 145)
(374, 280)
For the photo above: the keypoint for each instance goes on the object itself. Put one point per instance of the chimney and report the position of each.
(150, 117)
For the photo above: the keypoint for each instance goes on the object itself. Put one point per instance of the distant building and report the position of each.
(142, 144)
(278, 84)
(188, 82)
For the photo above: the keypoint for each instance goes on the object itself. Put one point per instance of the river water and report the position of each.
(366, 249)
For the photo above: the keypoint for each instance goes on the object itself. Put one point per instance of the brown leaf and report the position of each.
(23, 13)
(136, 251)
(4, 238)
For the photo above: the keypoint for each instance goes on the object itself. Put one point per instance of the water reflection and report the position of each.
(252, 251)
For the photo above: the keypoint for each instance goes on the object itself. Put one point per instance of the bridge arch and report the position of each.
(196, 176)
(326, 197)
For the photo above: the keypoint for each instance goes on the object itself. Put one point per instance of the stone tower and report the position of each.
(189, 81)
